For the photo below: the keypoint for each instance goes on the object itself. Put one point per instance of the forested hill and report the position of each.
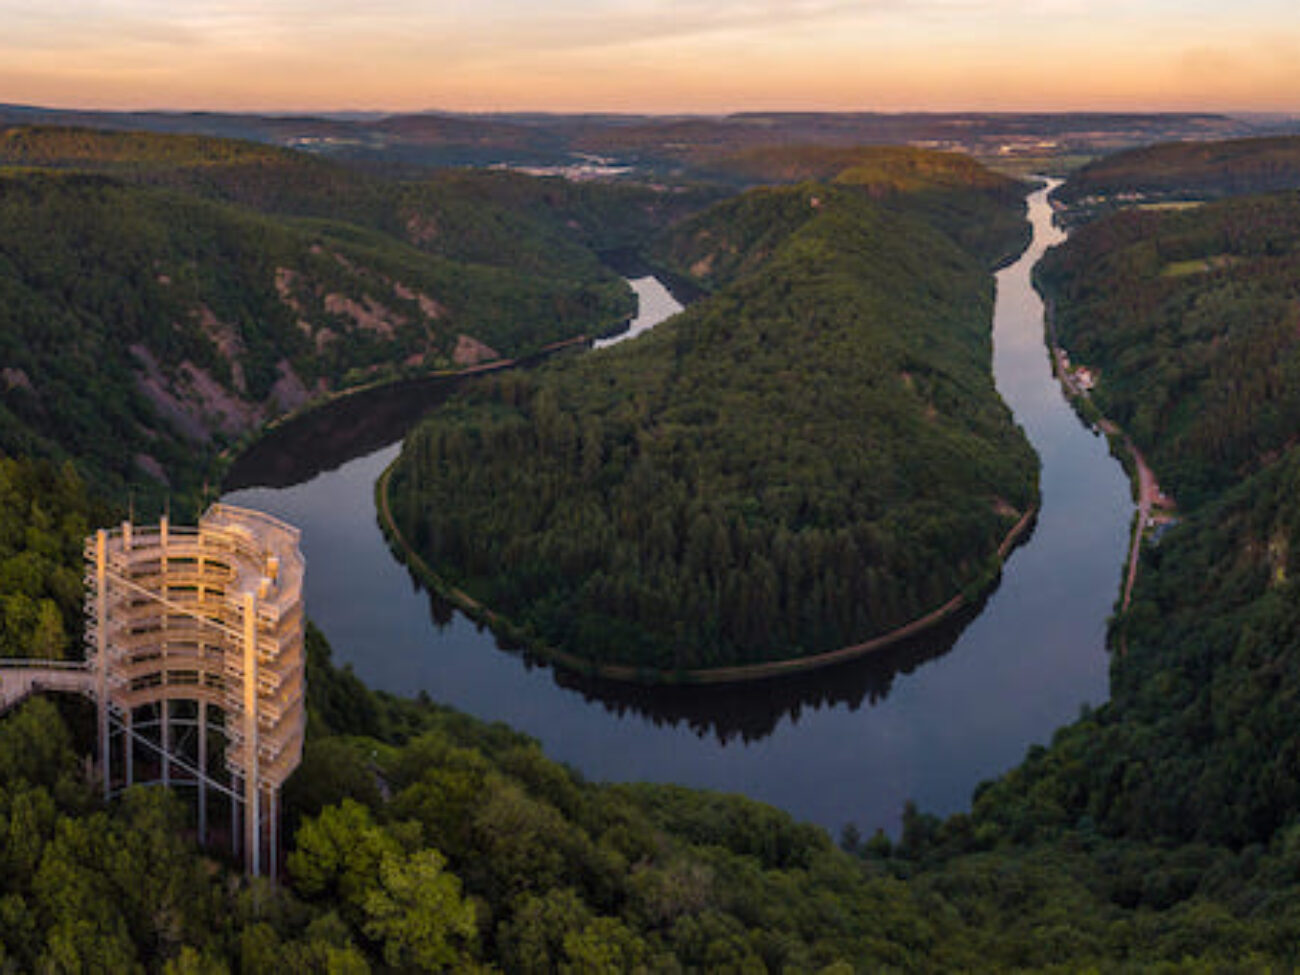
(161, 296)
(1184, 171)
(138, 325)
(508, 219)
(811, 457)
(1190, 319)
(979, 208)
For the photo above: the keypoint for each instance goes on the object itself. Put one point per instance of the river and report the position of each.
(926, 721)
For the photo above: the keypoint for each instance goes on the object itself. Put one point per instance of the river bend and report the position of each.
(926, 721)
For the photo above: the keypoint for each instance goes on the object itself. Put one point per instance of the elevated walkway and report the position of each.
(20, 679)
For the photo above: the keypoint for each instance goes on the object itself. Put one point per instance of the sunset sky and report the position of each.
(652, 55)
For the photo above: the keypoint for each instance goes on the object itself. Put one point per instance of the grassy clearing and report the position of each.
(1199, 265)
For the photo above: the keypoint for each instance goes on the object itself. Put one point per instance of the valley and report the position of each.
(154, 293)
(1041, 631)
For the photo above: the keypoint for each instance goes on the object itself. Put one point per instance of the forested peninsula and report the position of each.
(811, 457)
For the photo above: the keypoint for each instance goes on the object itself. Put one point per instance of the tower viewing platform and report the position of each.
(192, 630)
(195, 661)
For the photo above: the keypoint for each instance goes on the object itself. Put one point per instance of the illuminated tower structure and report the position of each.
(195, 647)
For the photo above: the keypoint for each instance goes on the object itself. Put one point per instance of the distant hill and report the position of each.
(880, 169)
(668, 146)
(548, 226)
(1182, 171)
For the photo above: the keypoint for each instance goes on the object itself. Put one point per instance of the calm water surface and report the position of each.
(927, 721)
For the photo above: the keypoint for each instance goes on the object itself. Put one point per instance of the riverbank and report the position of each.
(319, 404)
(1153, 505)
(737, 674)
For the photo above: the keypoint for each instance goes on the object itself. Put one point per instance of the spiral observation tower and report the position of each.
(195, 660)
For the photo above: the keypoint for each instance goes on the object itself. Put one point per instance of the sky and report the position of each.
(652, 55)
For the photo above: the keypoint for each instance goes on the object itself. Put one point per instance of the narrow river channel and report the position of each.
(927, 721)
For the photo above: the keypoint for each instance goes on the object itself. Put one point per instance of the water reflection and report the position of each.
(336, 433)
(744, 712)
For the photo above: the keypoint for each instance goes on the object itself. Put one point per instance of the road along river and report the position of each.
(926, 720)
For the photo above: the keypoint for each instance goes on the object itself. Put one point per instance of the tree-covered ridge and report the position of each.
(78, 148)
(812, 457)
(881, 169)
(1190, 320)
(737, 236)
(142, 328)
(1173, 171)
(546, 226)
(981, 210)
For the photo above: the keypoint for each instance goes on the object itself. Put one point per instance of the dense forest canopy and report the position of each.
(45, 516)
(162, 296)
(1190, 320)
(812, 457)
(421, 839)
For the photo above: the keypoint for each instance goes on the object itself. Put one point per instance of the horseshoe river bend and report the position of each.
(926, 720)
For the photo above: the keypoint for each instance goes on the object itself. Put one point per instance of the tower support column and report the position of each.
(252, 777)
(101, 659)
(203, 773)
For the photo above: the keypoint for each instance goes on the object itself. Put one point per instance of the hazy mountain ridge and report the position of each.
(662, 142)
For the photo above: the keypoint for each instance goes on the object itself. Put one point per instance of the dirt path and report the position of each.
(1149, 495)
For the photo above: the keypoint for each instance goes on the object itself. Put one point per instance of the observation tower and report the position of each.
(195, 660)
